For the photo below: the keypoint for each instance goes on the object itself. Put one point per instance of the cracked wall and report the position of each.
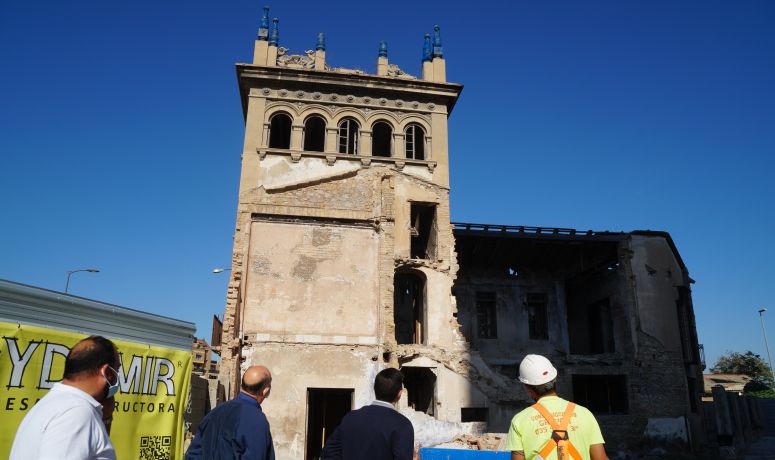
(637, 276)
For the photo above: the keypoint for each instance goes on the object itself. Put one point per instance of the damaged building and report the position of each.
(345, 262)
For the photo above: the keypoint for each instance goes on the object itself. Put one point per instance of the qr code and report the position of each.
(155, 447)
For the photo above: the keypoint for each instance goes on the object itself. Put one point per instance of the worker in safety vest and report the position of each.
(552, 428)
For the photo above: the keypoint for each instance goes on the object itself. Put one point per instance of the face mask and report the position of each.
(112, 387)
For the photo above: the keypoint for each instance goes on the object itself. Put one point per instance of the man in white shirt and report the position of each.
(67, 422)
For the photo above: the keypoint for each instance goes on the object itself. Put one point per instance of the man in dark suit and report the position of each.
(377, 431)
(237, 428)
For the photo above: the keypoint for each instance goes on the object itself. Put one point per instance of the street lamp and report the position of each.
(766, 345)
(221, 270)
(70, 272)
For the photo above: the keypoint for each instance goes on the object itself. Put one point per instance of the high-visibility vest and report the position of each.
(559, 439)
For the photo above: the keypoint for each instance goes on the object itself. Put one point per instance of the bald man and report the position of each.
(237, 428)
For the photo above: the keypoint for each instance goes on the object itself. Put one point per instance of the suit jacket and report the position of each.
(371, 433)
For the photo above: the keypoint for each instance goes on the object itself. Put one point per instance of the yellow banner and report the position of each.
(154, 381)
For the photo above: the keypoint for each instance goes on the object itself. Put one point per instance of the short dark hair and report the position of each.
(256, 388)
(388, 384)
(544, 388)
(89, 355)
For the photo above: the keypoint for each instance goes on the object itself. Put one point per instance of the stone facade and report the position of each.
(345, 262)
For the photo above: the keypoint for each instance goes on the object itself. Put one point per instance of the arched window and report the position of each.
(314, 134)
(348, 136)
(280, 131)
(381, 139)
(415, 142)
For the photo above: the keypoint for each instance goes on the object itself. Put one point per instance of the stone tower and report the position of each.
(344, 257)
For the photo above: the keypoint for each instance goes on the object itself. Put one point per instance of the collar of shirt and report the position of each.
(377, 402)
(243, 397)
(60, 387)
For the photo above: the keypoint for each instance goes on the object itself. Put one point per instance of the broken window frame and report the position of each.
(382, 139)
(537, 315)
(486, 303)
(280, 135)
(595, 321)
(417, 381)
(601, 393)
(313, 133)
(414, 142)
(423, 230)
(418, 329)
(347, 136)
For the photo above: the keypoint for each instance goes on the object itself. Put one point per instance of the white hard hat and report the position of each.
(536, 370)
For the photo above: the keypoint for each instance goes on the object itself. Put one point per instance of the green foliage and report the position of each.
(768, 393)
(750, 364)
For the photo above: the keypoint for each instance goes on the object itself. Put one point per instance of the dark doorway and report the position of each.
(325, 409)
(408, 307)
(420, 384)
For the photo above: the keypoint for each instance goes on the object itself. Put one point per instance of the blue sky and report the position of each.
(121, 133)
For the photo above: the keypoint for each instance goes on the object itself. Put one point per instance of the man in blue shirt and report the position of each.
(377, 431)
(237, 429)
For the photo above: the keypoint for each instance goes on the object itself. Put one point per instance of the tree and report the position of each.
(748, 363)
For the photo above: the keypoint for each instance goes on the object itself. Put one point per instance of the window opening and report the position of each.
(280, 132)
(420, 384)
(414, 139)
(325, 409)
(423, 231)
(486, 315)
(381, 140)
(408, 307)
(590, 328)
(473, 414)
(348, 136)
(314, 134)
(602, 394)
(538, 321)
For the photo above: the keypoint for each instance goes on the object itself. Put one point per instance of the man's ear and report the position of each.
(398, 396)
(265, 391)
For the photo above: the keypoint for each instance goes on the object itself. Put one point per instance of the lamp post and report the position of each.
(221, 270)
(766, 345)
(70, 272)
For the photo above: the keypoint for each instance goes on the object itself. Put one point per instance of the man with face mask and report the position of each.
(67, 422)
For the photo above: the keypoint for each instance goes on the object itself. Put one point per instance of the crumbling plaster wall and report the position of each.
(319, 247)
(656, 378)
(513, 340)
(657, 273)
(296, 368)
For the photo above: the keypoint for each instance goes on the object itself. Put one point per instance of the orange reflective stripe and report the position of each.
(548, 449)
(551, 444)
(567, 415)
(573, 452)
(547, 415)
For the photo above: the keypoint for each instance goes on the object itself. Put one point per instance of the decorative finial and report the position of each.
(427, 51)
(274, 37)
(321, 44)
(263, 29)
(382, 48)
(438, 51)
